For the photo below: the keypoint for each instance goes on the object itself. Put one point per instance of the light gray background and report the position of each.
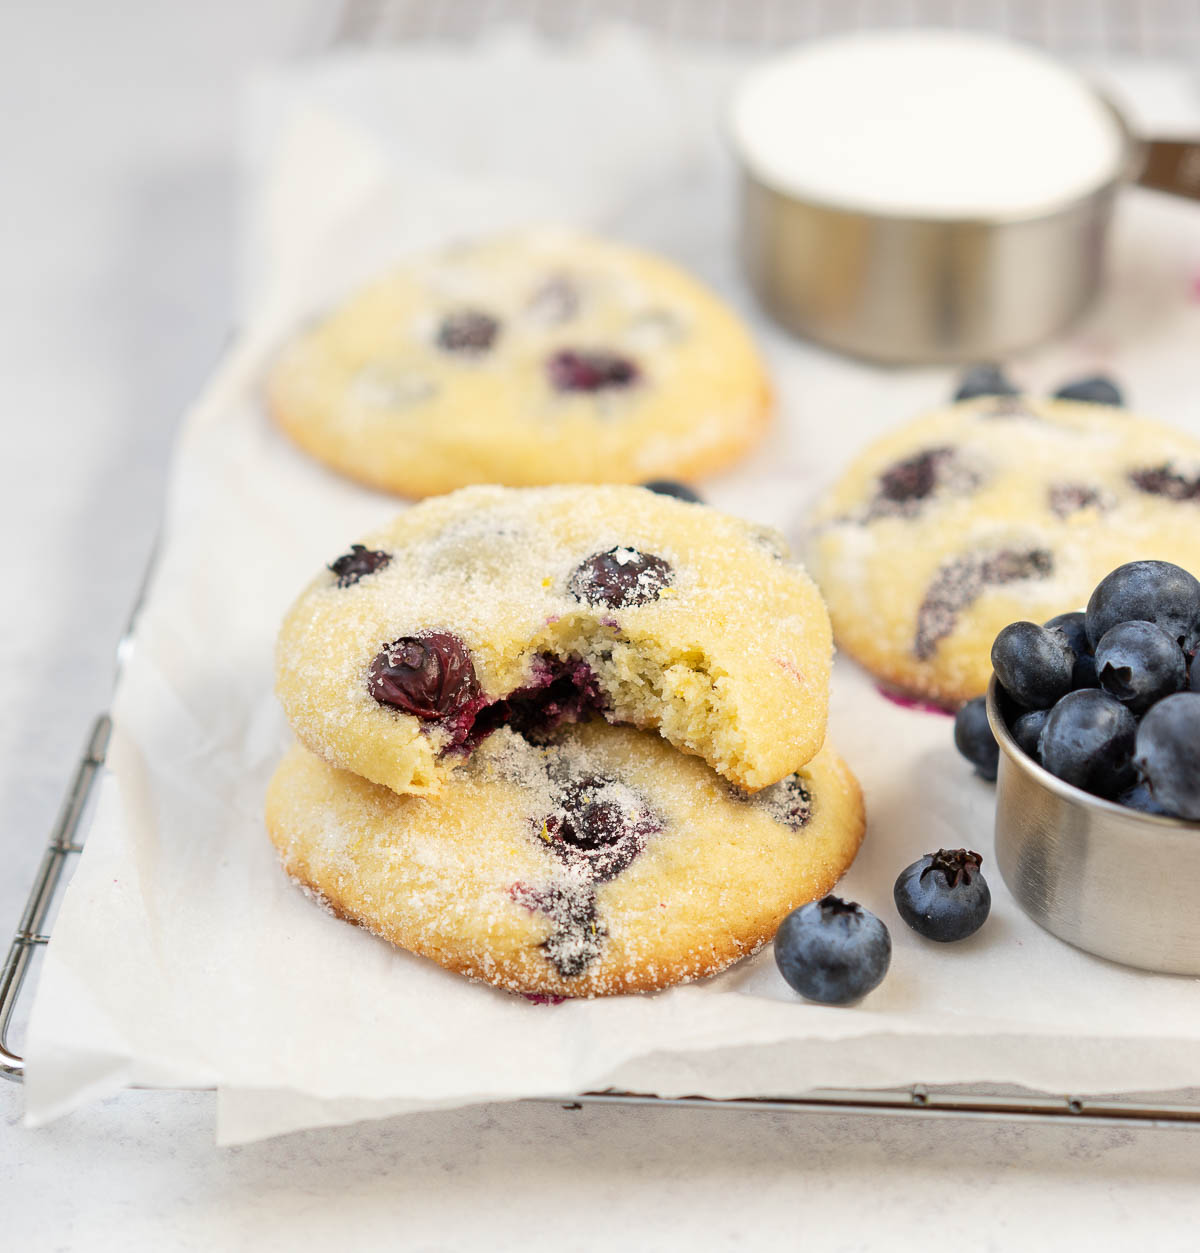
(117, 128)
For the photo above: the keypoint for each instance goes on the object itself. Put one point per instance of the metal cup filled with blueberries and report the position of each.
(1102, 698)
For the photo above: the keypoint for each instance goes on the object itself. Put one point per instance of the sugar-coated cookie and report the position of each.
(601, 862)
(997, 509)
(531, 358)
(535, 606)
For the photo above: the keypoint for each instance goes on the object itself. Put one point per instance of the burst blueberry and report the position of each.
(468, 331)
(430, 675)
(357, 564)
(573, 371)
(1088, 741)
(1034, 664)
(974, 739)
(1168, 754)
(1139, 664)
(944, 896)
(833, 951)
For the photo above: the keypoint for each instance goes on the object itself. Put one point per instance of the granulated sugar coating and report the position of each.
(1013, 508)
(503, 877)
(926, 123)
(535, 607)
(538, 357)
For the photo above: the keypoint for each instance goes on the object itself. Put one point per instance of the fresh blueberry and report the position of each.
(619, 578)
(833, 951)
(357, 564)
(1147, 591)
(974, 739)
(1142, 799)
(1093, 390)
(944, 895)
(1139, 664)
(1027, 730)
(1074, 627)
(430, 675)
(1168, 754)
(985, 380)
(668, 487)
(1034, 664)
(572, 371)
(468, 331)
(1088, 741)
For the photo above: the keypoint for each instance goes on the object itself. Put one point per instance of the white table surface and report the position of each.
(117, 127)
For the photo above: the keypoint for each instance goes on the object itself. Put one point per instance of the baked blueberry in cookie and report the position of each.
(619, 578)
(531, 358)
(468, 331)
(429, 675)
(357, 564)
(949, 528)
(534, 608)
(606, 861)
(574, 371)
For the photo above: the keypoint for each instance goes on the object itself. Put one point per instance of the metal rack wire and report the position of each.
(1080, 27)
(1087, 28)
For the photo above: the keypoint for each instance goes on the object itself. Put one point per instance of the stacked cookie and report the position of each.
(567, 740)
(538, 357)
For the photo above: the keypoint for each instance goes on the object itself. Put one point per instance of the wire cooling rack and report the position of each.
(67, 837)
(1079, 27)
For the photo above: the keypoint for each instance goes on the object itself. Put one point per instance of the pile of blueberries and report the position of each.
(1107, 699)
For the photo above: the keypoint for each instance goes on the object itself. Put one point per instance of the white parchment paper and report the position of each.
(182, 954)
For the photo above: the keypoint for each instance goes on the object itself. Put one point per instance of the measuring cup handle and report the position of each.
(1171, 165)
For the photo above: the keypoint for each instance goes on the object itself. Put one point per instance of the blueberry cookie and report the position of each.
(542, 357)
(537, 606)
(993, 510)
(602, 861)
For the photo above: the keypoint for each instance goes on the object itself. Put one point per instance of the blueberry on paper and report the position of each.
(833, 951)
(985, 380)
(1093, 390)
(944, 896)
(974, 739)
(1139, 664)
(1168, 754)
(1147, 591)
(1088, 741)
(1034, 664)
